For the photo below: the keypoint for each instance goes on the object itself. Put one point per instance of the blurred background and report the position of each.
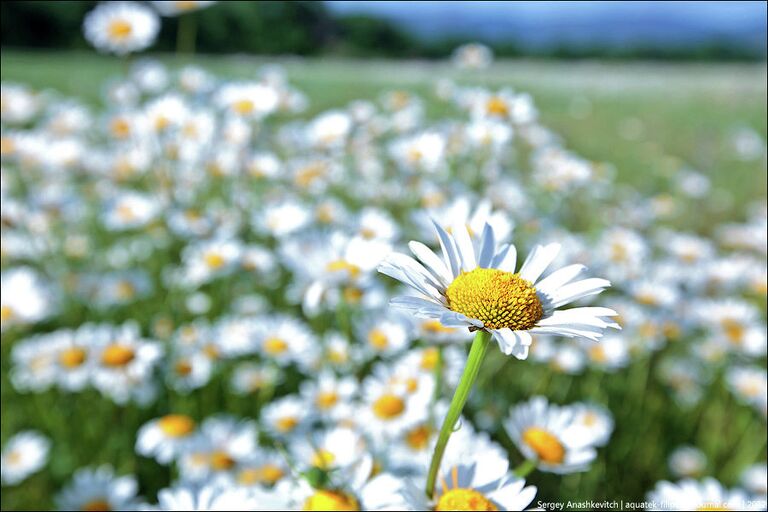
(560, 30)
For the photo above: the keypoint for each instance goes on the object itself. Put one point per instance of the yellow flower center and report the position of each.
(125, 290)
(117, 355)
(597, 354)
(464, 499)
(309, 174)
(418, 438)
(713, 506)
(275, 346)
(6, 313)
(429, 359)
(119, 29)
(97, 505)
(734, 330)
(72, 357)
(388, 407)
(286, 424)
(343, 266)
(221, 461)
(499, 299)
(378, 339)
(176, 425)
(183, 368)
(547, 447)
(243, 107)
(435, 327)
(337, 356)
(331, 500)
(266, 474)
(323, 459)
(185, 5)
(327, 399)
(120, 128)
(214, 260)
(352, 294)
(496, 106)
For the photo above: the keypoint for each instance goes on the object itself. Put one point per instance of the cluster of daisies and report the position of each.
(196, 230)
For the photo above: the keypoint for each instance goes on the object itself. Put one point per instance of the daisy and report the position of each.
(687, 461)
(384, 334)
(477, 484)
(550, 436)
(248, 100)
(249, 378)
(754, 479)
(185, 497)
(23, 454)
(329, 394)
(26, 297)
(121, 27)
(707, 494)
(285, 340)
(262, 468)
(165, 438)
(472, 56)
(217, 447)
(286, 416)
(481, 291)
(99, 489)
(125, 362)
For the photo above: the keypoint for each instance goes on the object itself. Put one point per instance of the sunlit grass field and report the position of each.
(645, 121)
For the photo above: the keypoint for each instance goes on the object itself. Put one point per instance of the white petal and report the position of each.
(538, 261)
(559, 278)
(448, 246)
(465, 247)
(506, 259)
(487, 247)
(431, 262)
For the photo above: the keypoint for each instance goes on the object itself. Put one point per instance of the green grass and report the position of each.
(688, 112)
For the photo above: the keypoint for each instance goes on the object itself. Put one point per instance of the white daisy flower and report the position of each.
(121, 27)
(165, 438)
(329, 394)
(687, 461)
(755, 479)
(707, 494)
(550, 436)
(478, 484)
(23, 454)
(99, 489)
(26, 297)
(481, 291)
(188, 497)
(286, 416)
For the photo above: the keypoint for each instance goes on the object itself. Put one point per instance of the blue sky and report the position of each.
(547, 23)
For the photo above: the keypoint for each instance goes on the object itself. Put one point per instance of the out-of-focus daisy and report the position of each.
(165, 438)
(248, 99)
(550, 436)
(26, 297)
(755, 479)
(217, 447)
(707, 494)
(687, 461)
(121, 27)
(99, 489)
(329, 393)
(481, 291)
(472, 56)
(23, 454)
(286, 416)
(217, 497)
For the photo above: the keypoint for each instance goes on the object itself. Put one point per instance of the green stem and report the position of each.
(525, 468)
(474, 360)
